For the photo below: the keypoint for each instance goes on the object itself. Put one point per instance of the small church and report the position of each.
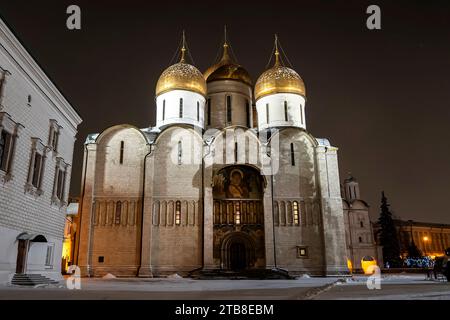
(229, 179)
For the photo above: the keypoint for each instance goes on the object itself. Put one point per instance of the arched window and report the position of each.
(228, 109)
(122, 147)
(267, 113)
(118, 212)
(164, 110)
(181, 108)
(235, 152)
(285, 111)
(296, 213)
(360, 239)
(292, 155)
(180, 152)
(178, 213)
(198, 111)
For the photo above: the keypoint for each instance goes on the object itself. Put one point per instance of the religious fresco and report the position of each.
(237, 182)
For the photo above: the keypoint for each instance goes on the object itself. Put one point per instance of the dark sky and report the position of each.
(382, 97)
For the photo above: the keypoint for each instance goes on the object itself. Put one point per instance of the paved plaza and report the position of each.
(391, 287)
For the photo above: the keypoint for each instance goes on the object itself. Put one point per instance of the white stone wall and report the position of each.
(277, 118)
(19, 210)
(172, 108)
(241, 104)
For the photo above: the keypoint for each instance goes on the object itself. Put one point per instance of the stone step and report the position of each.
(31, 280)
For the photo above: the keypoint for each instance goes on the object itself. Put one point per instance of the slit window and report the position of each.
(247, 107)
(301, 114)
(118, 212)
(237, 214)
(180, 152)
(198, 111)
(292, 155)
(122, 148)
(181, 108)
(285, 111)
(267, 113)
(209, 111)
(178, 213)
(235, 152)
(164, 110)
(228, 109)
(296, 213)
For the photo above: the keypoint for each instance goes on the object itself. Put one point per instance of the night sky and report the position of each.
(382, 97)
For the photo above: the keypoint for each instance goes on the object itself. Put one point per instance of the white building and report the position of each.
(37, 134)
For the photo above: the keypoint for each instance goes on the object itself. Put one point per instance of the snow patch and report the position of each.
(174, 276)
(109, 276)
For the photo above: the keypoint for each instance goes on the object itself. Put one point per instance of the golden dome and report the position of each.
(227, 69)
(181, 76)
(279, 79)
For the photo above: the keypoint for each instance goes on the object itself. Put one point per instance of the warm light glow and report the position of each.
(425, 238)
(367, 265)
(349, 265)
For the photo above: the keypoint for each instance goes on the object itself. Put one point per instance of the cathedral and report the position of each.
(229, 178)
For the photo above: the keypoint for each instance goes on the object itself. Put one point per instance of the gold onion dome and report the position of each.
(181, 76)
(227, 69)
(279, 79)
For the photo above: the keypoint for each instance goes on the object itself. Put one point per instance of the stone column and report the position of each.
(332, 212)
(208, 223)
(268, 224)
(145, 269)
(85, 228)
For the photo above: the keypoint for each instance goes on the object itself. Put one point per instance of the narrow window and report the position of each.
(180, 152)
(292, 155)
(209, 111)
(5, 148)
(235, 152)
(228, 109)
(267, 113)
(285, 111)
(360, 239)
(164, 110)
(118, 212)
(60, 184)
(361, 224)
(237, 214)
(122, 147)
(49, 256)
(178, 213)
(198, 111)
(37, 170)
(296, 214)
(29, 100)
(181, 108)
(247, 107)
(301, 114)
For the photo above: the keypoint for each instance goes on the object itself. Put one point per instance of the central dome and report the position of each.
(227, 69)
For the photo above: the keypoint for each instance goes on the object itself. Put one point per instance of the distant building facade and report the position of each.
(432, 239)
(359, 235)
(37, 133)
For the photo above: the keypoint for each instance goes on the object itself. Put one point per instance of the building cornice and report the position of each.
(24, 61)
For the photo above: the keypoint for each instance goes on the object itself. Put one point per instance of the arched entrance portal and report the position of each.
(238, 217)
(238, 252)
